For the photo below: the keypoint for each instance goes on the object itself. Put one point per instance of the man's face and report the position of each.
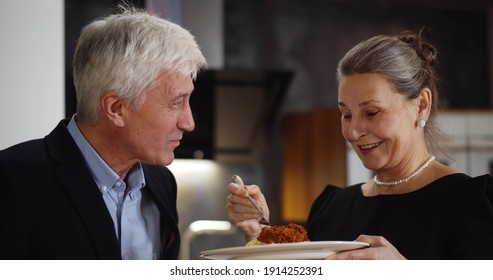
(153, 131)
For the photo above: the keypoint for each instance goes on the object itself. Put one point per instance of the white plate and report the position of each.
(314, 250)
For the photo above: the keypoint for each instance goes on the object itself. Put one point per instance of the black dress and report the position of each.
(451, 218)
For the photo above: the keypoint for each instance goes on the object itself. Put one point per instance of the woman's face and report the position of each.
(379, 123)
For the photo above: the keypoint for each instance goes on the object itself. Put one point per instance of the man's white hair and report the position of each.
(125, 53)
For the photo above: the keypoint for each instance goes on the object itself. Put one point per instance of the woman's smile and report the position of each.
(365, 149)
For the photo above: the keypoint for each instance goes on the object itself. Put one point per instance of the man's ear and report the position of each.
(424, 105)
(113, 108)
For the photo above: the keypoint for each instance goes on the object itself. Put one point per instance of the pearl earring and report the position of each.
(422, 123)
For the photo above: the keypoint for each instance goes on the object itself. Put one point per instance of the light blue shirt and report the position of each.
(134, 213)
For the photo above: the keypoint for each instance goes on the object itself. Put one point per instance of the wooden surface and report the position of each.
(314, 155)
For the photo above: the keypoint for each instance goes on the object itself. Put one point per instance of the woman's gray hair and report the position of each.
(125, 53)
(407, 61)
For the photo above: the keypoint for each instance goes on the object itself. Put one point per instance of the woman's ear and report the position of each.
(113, 108)
(424, 104)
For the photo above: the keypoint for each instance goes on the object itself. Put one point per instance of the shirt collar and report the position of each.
(104, 176)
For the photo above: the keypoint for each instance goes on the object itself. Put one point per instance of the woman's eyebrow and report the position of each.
(362, 104)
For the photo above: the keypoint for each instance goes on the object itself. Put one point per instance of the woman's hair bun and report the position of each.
(422, 47)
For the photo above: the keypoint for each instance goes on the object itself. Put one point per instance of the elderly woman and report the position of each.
(414, 207)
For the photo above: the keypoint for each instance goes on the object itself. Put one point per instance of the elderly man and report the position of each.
(97, 187)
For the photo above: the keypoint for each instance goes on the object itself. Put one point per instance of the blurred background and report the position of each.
(267, 107)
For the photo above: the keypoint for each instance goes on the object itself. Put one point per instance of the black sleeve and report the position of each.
(13, 216)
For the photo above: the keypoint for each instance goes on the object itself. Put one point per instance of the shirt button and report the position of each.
(118, 184)
(104, 188)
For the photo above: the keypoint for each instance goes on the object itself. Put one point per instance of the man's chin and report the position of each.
(168, 160)
(163, 161)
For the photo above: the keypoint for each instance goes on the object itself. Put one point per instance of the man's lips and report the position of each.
(175, 142)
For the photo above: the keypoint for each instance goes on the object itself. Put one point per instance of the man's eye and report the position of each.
(347, 117)
(178, 103)
(372, 114)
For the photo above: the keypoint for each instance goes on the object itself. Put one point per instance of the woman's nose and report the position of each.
(356, 130)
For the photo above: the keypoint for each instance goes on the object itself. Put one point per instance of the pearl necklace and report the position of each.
(414, 174)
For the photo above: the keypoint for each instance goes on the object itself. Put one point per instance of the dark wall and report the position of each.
(309, 37)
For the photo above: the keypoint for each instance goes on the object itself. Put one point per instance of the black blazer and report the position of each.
(51, 208)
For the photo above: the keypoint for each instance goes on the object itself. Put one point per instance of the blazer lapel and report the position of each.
(165, 200)
(80, 186)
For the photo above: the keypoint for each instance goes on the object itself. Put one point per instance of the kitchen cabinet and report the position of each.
(314, 155)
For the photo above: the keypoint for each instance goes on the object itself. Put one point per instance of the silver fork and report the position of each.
(262, 220)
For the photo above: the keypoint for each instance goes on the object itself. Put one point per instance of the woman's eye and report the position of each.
(372, 114)
(346, 116)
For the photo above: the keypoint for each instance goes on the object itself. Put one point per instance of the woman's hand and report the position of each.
(380, 249)
(242, 213)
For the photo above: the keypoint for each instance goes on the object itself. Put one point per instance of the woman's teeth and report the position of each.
(369, 146)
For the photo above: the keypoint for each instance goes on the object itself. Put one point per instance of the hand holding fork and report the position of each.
(262, 220)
